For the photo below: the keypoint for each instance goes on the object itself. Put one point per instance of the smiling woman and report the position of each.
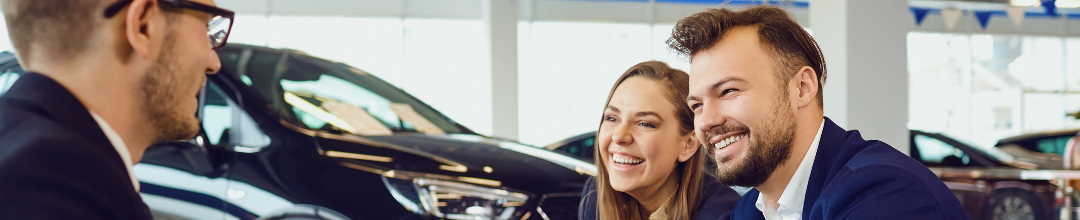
(650, 164)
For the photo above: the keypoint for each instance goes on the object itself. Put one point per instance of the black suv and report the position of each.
(289, 136)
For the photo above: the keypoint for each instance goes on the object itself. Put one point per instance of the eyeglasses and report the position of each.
(217, 29)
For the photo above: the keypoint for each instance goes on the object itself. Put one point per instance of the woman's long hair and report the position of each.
(615, 205)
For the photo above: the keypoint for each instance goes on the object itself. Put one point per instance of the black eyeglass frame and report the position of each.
(215, 11)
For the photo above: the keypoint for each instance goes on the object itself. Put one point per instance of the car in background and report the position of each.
(985, 198)
(1042, 148)
(579, 146)
(286, 135)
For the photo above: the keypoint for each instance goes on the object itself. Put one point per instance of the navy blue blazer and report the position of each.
(854, 178)
(55, 162)
(717, 203)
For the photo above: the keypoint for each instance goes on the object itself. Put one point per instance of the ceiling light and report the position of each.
(1068, 4)
(1026, 2)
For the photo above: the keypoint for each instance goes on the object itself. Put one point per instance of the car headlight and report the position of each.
(454, 200)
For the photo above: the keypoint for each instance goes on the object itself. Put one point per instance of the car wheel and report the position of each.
(1012, 204)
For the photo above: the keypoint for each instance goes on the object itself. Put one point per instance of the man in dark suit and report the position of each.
(105, 80)
(755, 88)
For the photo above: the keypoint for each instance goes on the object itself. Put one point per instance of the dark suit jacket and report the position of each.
(715, 205)
(857, 179)
(55, 162)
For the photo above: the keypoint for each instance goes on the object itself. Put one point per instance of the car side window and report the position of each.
(934, 152)
(224, 121)
(582, 148)
(7, 79)
(1053, 145)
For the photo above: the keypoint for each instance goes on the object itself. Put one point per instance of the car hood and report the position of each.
(513, 164)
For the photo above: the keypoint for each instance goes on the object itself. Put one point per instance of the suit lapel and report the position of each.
(60, 105)
(832, 139)
(54, 101)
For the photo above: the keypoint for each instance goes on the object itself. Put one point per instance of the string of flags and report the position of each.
(1014, 13)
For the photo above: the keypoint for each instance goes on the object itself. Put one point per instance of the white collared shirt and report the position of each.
(791, 200)
(121, 148)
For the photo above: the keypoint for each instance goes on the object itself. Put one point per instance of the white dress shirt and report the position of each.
(121, 148)
(791, 200)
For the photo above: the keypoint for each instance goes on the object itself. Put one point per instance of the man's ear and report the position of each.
(806, 84)
(690, 147)
(140, 27)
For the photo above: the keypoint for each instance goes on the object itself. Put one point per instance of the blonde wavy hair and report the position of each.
(615, 205)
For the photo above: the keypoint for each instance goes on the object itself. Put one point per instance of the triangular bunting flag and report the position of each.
(984, 18)
(1051, 7)
(1016, 14)
(920, 15)
(951, 16)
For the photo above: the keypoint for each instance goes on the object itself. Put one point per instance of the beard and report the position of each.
(768, 147)
(159, 90)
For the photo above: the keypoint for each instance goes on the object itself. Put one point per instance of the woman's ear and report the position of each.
(690, 147)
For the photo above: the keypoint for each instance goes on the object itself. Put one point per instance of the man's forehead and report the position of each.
(738, 52)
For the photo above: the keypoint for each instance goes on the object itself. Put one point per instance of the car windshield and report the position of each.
(331, 96)
(993, 152)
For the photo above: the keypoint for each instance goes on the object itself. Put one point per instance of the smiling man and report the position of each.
(105, 80)
(755, 88)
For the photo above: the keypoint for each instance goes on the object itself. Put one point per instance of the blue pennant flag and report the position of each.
(1051, 7)
(984, 18)
(920, 14)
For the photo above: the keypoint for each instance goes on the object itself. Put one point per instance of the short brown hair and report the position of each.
(59, 28)
(780, 35)
(684, 205)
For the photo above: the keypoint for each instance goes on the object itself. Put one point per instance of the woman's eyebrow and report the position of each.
(643, 114)
(613, 109)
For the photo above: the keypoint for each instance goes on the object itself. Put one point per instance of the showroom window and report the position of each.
(583, 59)
(986, 87)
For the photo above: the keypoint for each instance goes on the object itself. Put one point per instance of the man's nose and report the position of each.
(708, 118)
(214, 63)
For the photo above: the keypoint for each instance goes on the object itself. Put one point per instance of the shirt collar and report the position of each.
(121, 148)
(791, 200)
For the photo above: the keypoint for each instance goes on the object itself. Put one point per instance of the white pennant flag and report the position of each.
(1016, 13)
(951, 16)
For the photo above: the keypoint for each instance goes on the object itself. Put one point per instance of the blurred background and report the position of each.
(985, 93)
(970, 81)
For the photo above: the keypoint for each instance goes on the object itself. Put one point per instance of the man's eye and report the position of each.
(726, 91)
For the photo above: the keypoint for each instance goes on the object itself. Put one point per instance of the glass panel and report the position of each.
(223, 120)
(583, 59)
(987, 87)
(333, 89)
(934, 152)
(1053, 145)
(8, 79)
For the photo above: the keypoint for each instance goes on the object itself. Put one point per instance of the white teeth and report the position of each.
(625, 159)
(728, 141)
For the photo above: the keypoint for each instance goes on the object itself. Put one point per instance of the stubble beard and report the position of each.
(768, 147)
(166, 120)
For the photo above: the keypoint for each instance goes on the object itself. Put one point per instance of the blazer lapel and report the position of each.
(60, 105)
(832, 139)
(52, 100)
